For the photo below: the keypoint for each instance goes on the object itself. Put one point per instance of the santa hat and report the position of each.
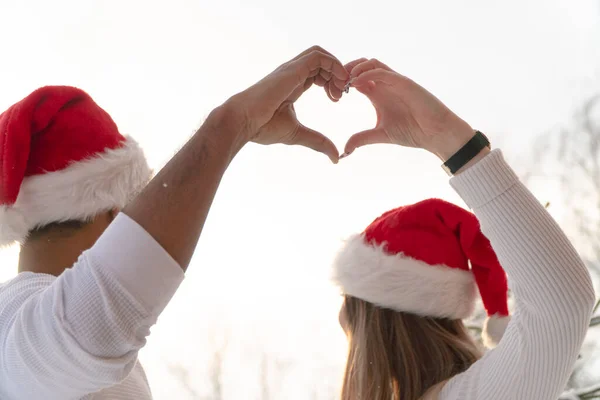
(62, 158)
(416, 259)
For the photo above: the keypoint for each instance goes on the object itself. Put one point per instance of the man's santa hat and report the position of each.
(62, 158)
(416, 259)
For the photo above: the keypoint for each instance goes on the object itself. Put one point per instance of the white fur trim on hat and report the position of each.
(402, 283)
(79, 191)
(493, 330)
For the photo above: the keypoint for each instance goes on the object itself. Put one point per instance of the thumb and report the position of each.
(315, 140)
(364, 138)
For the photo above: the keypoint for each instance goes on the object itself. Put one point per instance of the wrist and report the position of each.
(484, 152)
(447, 144)
(460, 149)
(229, 129)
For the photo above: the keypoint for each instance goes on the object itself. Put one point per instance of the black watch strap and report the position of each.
(466, 153)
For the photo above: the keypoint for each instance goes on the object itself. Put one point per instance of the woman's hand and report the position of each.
(407, 114)
(266, 109)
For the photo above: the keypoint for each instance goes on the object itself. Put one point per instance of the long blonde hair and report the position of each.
(398, 356)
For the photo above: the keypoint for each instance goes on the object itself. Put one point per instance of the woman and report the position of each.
(407, 282)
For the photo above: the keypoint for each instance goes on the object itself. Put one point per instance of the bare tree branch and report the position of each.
(590, 392)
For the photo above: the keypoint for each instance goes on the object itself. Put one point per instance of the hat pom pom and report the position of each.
(13, 226)
(493, 329)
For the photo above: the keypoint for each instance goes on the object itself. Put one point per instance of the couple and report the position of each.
(103, 251)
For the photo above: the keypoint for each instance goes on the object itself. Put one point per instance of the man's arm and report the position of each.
(174, 205)
(81, 332)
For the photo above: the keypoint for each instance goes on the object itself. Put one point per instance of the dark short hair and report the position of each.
(61, 228)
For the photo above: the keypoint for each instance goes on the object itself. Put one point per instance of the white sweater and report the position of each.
(70, 337)
(66, 337)
(552, 288)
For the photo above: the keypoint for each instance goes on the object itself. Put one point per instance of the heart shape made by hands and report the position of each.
(337, 121)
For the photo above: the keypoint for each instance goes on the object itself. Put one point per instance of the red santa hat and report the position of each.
(416, 259)
(62, 158)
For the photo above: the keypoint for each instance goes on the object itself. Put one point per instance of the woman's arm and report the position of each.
(551, 285)
(552, 288)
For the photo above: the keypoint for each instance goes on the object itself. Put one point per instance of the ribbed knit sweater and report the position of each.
(552, 290)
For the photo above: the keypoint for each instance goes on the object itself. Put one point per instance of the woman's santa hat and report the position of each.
(62, 158)
(416, 259)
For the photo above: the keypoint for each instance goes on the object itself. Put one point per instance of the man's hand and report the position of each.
(266, 109)
(175, 204)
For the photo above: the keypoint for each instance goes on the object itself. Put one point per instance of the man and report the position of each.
(96, 269)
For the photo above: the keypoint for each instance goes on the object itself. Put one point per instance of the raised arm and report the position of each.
(552, 288)
(79, 333)
(175, 204)
(551, 285)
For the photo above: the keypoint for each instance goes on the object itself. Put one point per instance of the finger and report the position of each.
(307, 84)
(369, 65)
(310, 50)
(314, 73)
(288, 81)
(320, 81)
(375, 75)
(365, 138)
(314, 140)
(349, 66)
(334, 93)
(325, 65)
(326, 76)
(340, 84)
(318, 60)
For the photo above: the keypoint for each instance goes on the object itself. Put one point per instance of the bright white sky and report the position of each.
(512, 69)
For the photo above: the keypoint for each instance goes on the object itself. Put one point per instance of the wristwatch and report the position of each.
(466, 153)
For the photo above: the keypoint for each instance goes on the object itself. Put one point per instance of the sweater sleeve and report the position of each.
(551, 286)
(65, 337)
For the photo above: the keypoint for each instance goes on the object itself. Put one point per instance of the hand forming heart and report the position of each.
(407, 114)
